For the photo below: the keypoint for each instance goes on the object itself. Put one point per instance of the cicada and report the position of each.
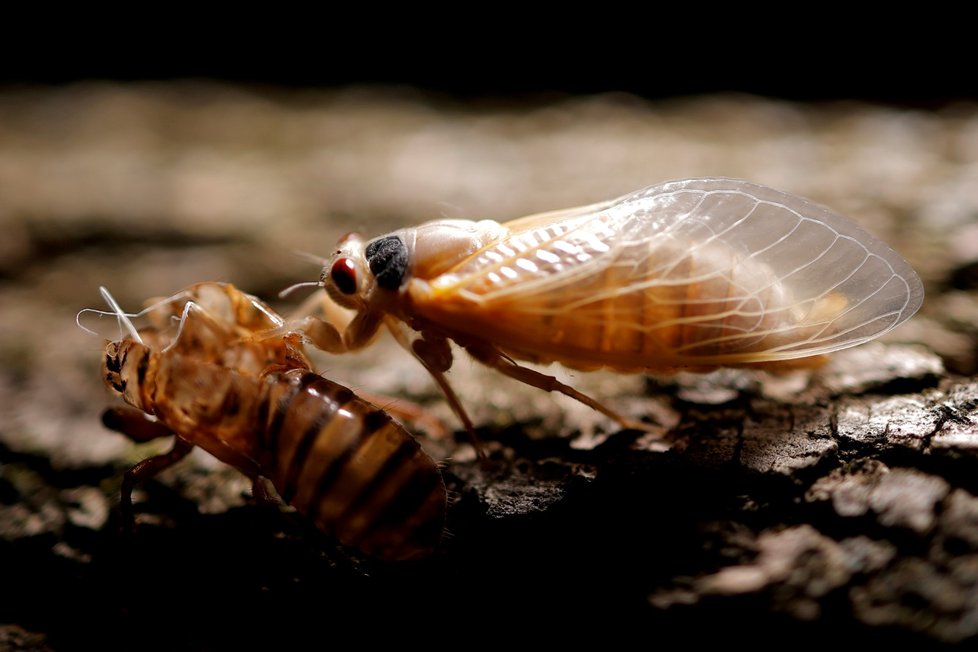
(204, 373)
(693, 274)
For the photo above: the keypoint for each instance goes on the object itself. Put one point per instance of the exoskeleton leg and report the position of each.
(145, 470)
(134, 424)
(138, 426)
(265, 494)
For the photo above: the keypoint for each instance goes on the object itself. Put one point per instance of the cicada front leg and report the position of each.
(134, 424)
(435, 354)
(326, 337)
(139, 427)
(145, 470)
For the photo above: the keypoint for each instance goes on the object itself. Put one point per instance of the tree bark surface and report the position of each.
(838, 503)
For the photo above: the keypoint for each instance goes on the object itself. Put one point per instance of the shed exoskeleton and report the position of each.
(205, 374)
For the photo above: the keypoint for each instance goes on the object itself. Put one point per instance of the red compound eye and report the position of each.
(343, 273)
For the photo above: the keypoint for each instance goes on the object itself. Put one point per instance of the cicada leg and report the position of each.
(434, 353)
(492, 357)
(264, 493)
(134, 424)
(139, 427)
(145, 470)
(326, 337)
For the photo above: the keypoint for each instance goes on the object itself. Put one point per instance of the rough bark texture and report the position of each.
(825, 505)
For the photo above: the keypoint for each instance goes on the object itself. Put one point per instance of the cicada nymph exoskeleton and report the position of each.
(206, 371)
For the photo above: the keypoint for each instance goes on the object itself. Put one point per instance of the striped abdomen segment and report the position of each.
(351, 469)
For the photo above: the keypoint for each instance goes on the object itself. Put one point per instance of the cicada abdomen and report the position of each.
(349, 467)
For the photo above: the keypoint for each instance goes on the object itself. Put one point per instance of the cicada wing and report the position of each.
(712, 271)
(537, 220)
(802, 279)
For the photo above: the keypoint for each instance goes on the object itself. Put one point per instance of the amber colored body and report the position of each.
(599, 321)
(358, 475)
(700, 274)
(692, 274)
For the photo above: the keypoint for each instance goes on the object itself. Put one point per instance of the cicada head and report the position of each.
(362, 274)
(368, 276)
(112, 367)
(345, 276)
(125, 369)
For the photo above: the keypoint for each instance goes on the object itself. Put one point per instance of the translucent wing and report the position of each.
(700, 271)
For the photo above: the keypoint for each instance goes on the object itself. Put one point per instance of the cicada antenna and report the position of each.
(87, 310)
(448, 210)
(292, 288)
(101, 313)
(120, 315)
(312, 258)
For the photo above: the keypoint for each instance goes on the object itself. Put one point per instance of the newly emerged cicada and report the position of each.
(206, 373)
(697, 274)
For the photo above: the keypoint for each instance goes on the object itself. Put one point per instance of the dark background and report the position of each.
(918, 60)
